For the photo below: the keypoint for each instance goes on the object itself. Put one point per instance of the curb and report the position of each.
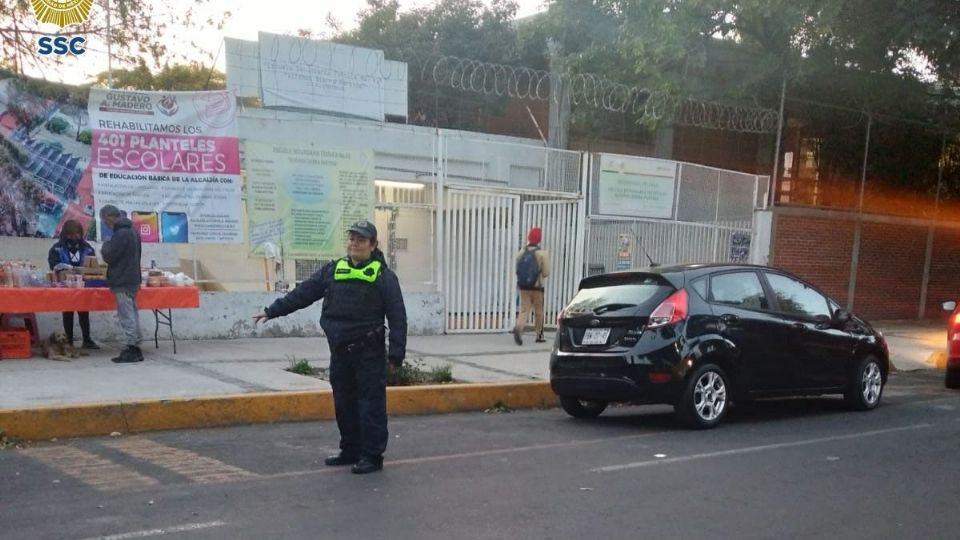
(92, 419)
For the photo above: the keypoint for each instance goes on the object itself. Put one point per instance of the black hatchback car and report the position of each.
(701, 336)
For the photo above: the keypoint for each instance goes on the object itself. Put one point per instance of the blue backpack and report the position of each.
(528, 270)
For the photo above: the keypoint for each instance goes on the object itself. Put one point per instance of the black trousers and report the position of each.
(84, 325)
(359, 381)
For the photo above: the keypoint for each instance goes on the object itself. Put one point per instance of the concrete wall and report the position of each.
(876, 265)
(229, 316)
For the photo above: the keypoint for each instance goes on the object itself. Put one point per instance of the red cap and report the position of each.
(535, 235)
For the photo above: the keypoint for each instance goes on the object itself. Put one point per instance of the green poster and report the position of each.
(305, 197)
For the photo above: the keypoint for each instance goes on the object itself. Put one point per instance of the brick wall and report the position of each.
(891, 260)
(944, 281)
(890, 273)
(817, 250)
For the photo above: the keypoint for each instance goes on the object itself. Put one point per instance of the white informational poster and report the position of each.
(170, 161)
(305, 197)
(636, 187)
(319, 75)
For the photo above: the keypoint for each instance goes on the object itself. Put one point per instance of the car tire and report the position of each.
(952, 378)
(582, 408)
(705, 399)
(866, 388)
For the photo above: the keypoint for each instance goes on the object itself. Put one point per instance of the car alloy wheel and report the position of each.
(866, 387)
(704, 401)
(710, 396)
(872, 384)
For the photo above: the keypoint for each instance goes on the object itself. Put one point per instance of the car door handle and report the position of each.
(800, 326)
(729, 319)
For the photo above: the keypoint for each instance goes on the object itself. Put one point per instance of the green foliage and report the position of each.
(57, 125)
(177, 77)
(301, 367)
(9, 441)
(413, 373)
(500, 407)
(85, 136)
(441, 374)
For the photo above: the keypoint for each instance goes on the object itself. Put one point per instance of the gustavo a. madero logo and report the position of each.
(168, 105)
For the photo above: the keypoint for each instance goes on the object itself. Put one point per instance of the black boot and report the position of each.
(340, 459)
(367, 465)
(129, 356)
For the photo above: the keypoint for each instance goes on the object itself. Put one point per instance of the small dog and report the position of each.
(57, 347)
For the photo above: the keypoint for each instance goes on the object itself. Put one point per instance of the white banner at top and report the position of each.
(318, 75)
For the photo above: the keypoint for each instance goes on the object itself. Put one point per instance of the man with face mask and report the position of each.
(73, 250)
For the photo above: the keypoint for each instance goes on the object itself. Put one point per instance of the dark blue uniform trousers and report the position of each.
(359, 381)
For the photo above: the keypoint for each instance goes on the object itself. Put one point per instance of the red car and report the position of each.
(953, 345)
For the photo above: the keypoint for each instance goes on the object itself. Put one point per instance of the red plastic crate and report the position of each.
(15, 343)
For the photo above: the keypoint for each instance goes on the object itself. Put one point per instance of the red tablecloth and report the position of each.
(94, 299)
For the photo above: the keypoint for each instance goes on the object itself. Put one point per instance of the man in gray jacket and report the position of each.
(122, 255)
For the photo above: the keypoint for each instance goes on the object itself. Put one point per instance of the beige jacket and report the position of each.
(543, 261)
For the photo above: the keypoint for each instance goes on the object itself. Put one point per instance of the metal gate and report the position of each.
(481, 237)
(562, 227)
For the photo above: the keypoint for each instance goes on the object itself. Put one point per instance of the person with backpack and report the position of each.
(533, 267)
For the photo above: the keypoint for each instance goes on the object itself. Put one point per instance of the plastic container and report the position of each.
(15, 344)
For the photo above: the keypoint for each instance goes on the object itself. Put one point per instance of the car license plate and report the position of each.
(595, 336)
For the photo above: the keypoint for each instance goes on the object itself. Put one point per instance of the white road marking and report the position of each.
(751, 449)
(161, 532)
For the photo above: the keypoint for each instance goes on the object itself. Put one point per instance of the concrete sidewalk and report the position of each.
(916, 344)
(222, 367)
(225, 382)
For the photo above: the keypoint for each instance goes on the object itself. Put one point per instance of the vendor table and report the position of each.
(160, 300)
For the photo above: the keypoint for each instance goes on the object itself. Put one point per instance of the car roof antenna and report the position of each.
(640, 245)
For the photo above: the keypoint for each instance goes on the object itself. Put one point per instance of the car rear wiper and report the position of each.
(612, 307)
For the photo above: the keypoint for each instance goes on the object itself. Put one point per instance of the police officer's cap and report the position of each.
(364, 229)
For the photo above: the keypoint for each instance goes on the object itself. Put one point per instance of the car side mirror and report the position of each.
(842, 316)
(822, 322)
(949, 306)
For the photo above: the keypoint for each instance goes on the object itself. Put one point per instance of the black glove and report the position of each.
(395, 361)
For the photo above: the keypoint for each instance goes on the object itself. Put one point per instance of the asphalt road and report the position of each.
(801, 468)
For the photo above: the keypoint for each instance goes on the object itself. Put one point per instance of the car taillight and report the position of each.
(671, 310)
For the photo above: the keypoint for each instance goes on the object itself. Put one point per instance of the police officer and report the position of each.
(358, 291)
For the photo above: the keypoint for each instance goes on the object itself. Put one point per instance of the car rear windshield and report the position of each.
(637, 293)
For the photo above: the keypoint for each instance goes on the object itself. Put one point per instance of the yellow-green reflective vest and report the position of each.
(368, 273)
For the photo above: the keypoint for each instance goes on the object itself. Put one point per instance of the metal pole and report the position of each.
(109, 49)
(931, 232)
(771, 192)
(943, 154)
(866, 157)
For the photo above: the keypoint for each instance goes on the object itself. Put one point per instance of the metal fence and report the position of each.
(712, 220)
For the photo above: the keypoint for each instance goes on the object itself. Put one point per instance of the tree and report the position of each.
(744, 49)
(175, 77)
(139, 29)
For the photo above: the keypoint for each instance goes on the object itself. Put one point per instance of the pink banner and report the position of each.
(149, 152)
(170, 162)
